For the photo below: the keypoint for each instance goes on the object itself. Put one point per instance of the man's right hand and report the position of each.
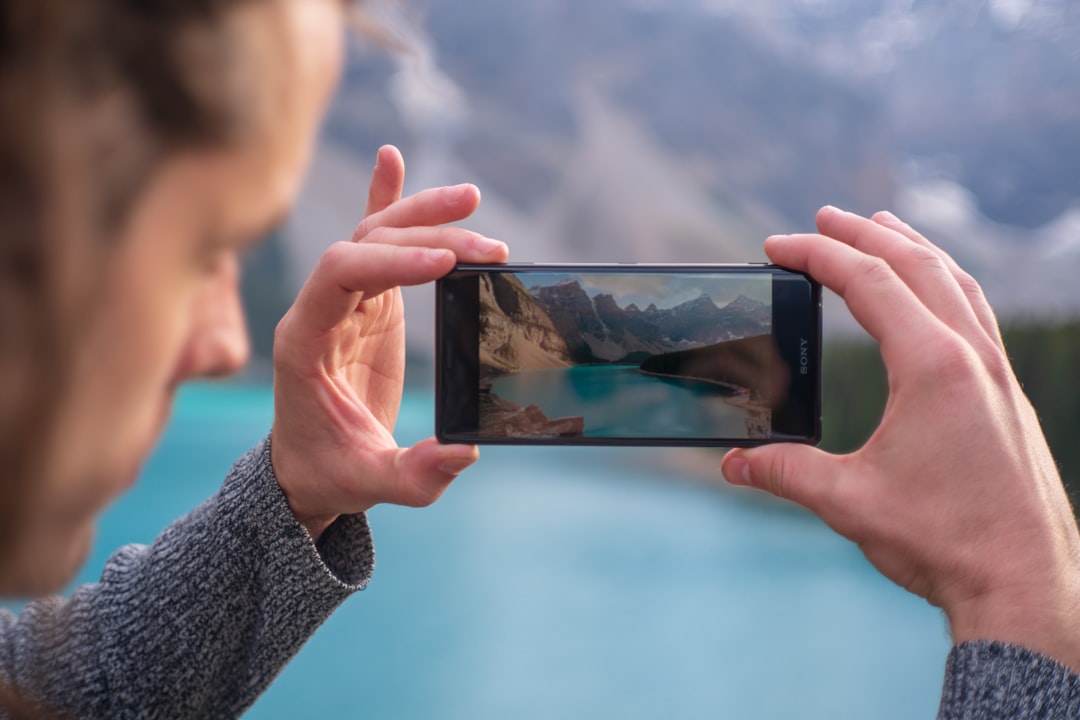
(955, 496)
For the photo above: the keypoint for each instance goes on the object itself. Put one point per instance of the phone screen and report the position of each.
(628, 354)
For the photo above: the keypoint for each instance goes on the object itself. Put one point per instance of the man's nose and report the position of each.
(219, 345)
(225, 345)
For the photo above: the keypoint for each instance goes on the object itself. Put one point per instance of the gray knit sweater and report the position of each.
(990, 680)
(198, 624)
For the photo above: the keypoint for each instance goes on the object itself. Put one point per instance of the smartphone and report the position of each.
(699, 355)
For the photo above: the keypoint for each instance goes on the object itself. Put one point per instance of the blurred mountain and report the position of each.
(688, 130)
(559, 325)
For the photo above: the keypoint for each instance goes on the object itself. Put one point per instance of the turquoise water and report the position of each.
(574, 583)
(619, 401)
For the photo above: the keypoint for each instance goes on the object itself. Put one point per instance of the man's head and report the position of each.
(143, 145)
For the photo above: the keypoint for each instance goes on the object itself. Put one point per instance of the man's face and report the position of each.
(171, 307)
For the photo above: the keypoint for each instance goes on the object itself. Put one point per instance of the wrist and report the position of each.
(315, 526)
(1046, 620)
(313, 521)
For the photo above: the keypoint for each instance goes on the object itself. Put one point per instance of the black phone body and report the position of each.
(698, 355)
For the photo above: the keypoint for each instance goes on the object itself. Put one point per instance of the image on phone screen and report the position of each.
(580, 354)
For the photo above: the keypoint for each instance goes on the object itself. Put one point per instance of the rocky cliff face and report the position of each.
(627, 326)
(573, 315)
(515, 331)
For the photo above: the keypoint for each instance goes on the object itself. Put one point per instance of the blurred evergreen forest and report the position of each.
(1046, 356)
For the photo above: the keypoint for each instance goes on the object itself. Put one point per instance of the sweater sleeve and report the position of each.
(986, 680)
(197, 624)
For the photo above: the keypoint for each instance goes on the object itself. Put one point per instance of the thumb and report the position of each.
(800, 473)
(422, 473)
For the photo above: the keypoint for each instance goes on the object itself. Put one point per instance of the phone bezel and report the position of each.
(457, 353)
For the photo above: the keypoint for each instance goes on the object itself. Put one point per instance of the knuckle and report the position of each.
(333, 255)
(953, 361)
(363, 229)
(372, 226)
(773, 480)
(423, 494)
(370, 233)
(875, 271)
(997, 365)
(925, 259)
(968, 284)
(776, 479)
(337, 250)
(445, 235)
(913, 259)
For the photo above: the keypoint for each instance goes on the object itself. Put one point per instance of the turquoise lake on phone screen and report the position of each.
(618, 401)
(573, 583)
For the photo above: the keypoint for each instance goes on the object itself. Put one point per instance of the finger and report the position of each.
(418, 476)
(435, 206)
(919, 267)
(348, 273)
(800, 473)
(468, 246)
(972, 290)
(881, 303)
(387, 180)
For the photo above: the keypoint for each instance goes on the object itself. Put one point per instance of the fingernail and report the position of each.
(488, 246)
(736, 470)
(455, 466)
(887, 217)
(436, 254)
(457, 192)
(829, 210)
